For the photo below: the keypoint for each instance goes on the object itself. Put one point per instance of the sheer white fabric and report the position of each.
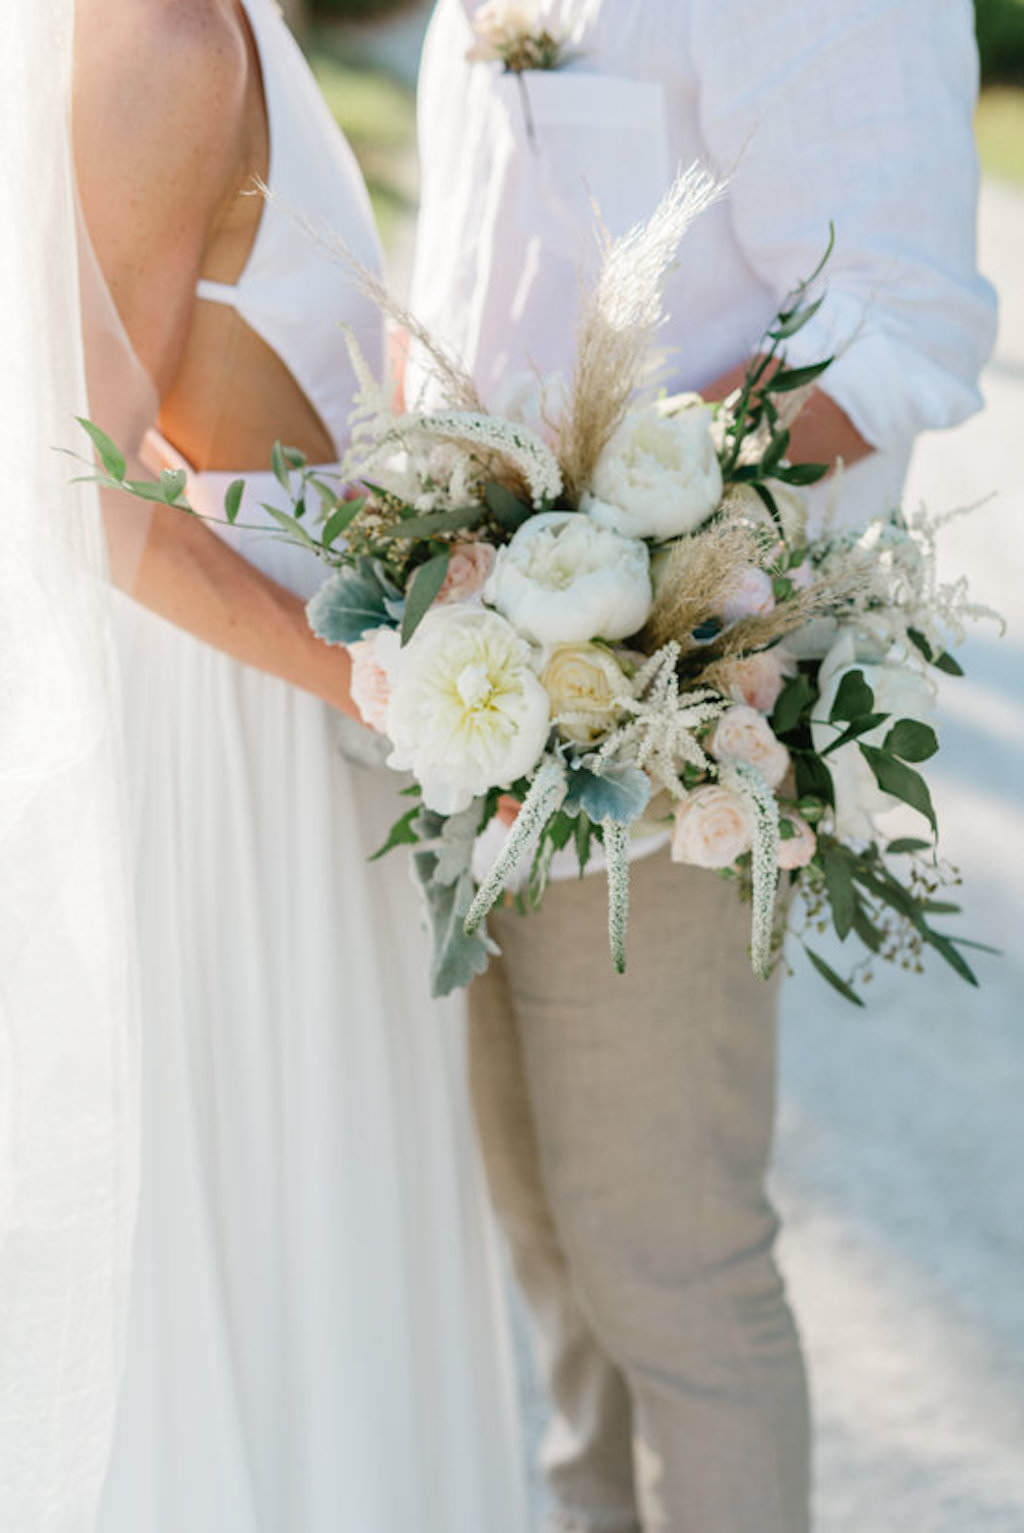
(67, 1039)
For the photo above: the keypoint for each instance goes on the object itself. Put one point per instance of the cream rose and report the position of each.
(563, 579)
(582, 682)
(796, 851)
(469, 569)
(466, 711)
(658, 476)
(743, 734)
(757, 679)
(712, 827)
(370, 685)
(900, 691)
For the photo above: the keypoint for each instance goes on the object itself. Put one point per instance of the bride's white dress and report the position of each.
(317, 1338)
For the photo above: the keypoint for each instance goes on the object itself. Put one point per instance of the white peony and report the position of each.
(712, 827)
(466, 711)
(901, 691)
(562, 579)
(742, 734)
(658, 476)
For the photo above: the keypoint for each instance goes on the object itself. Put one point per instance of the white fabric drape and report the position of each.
(67, 1041)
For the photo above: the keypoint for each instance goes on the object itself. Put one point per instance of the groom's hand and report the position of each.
(821, 433)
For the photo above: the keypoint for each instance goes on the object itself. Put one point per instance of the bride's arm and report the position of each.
(160, 127)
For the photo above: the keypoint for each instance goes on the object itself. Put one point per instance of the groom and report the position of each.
(626, 1122)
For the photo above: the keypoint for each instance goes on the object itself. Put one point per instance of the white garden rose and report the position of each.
(744, 735)
(466, 711)
(582, 682)
(563, 579)
(658, 476)
(901, 691)
(712, 827)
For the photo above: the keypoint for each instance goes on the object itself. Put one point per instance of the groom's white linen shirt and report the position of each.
(854, 111)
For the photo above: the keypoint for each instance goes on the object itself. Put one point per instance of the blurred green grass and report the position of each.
(999, 126)
(377, 114)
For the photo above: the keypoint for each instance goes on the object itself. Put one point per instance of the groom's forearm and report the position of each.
(821, 433)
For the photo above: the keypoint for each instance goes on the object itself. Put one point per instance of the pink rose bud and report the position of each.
(796, 851)
(749, 595)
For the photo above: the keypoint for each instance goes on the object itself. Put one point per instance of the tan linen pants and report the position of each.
(626, 1125)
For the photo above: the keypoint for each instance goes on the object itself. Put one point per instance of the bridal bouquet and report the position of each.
(604, 603)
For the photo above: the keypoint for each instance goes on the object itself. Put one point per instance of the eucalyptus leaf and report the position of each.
(279, 465)
(895, 777)
(801, 473)
(842, 894)
(507, 509)
(946, 663)
(294, 530)
(785, 379)
(793, 702)
(795, 320)
(416, 527)
(853, 699)
(233, 499)
(911, 740)
(945, 949)
(423, 588)
(109, 454)
(833, 979)
(907, 844)
(172, 483)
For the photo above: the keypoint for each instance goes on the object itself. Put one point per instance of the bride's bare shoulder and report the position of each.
(159, 85)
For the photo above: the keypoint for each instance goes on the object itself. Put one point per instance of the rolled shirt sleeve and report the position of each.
(858, 110)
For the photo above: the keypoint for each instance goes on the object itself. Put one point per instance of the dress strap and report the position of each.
(217, 292)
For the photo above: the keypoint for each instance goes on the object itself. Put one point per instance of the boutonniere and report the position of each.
(522, 35)
(515, 34)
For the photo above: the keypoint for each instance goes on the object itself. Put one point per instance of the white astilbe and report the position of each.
(616, 851)
(659, 734)
(763, 812)
(548, 789)
(477, 435)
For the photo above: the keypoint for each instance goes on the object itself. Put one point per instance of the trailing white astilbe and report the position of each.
(763, 811)
(660, 732)
(547, 791)
(616, 851)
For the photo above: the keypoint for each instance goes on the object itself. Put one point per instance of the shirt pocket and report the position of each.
(592, 146)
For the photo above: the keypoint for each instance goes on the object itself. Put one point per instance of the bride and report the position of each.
(315, 1337)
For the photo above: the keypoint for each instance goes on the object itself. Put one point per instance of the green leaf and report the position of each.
(907, 844)
(794, 700)
(402, 833)
(769, 502)
(911, 741)
(919, 642)
(423, 587)
(109, 454)
(584, 836)
(415, 527)
(340, 520)
(832, 977)
(813, 778)
(172, 482)
(861, 726)
(865, 929)
(279, 464)
(233, 498)
(776, 450)
(787, 378)
(841, 892)
(795, 320)
(457, 958)
(294, 530)
(802, 473)
(945, 662)
(945, 949)
(894, 777)
(507, 509)
(853, 699)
